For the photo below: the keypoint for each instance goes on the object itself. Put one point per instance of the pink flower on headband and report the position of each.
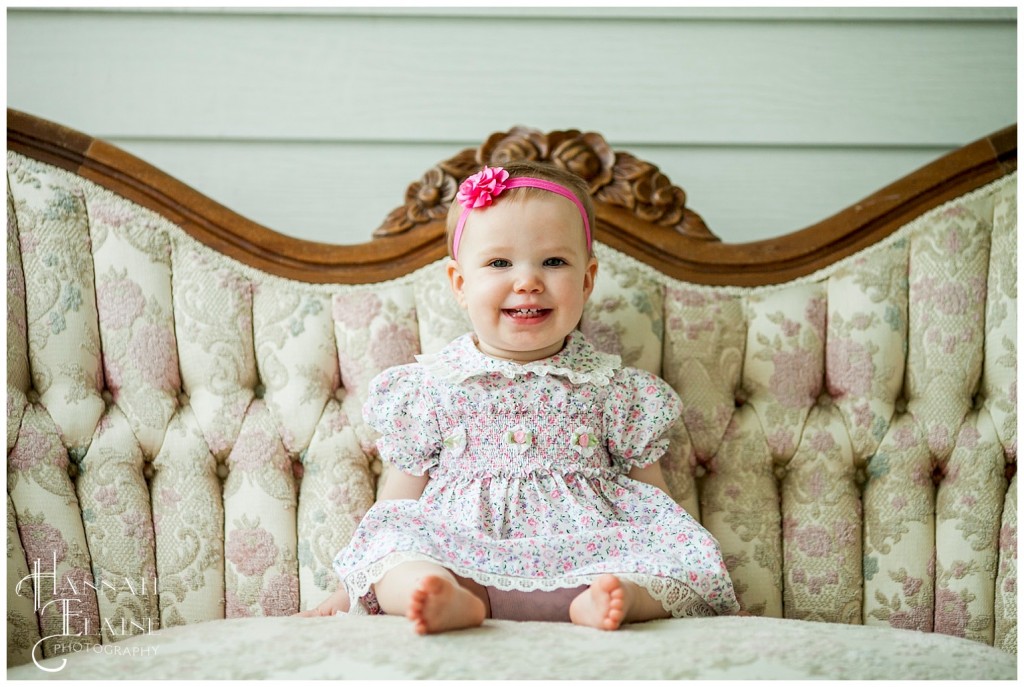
(479, 190)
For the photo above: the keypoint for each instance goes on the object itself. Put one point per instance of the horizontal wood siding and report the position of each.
(313, 122)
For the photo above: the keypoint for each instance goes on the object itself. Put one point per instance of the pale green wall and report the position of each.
(313, 122)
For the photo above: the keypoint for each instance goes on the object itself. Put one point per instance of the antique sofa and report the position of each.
(186, 451)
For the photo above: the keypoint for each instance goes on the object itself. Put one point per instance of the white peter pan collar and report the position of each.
(578, 361)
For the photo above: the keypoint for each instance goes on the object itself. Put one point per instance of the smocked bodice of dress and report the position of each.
(462, 413)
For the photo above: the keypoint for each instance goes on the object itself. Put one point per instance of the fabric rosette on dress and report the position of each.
(528, 485)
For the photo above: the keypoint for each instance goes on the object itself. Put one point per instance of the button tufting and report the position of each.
(259, 390)
(222, 470)
(77, 453)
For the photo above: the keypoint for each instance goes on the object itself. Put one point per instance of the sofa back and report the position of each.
(185, 438)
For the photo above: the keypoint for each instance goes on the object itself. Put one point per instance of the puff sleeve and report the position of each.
(402, 411)
(638, 412)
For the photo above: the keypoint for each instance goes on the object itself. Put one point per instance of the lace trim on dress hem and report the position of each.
(675, 597)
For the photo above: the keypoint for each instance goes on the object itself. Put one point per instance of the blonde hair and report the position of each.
(538, 170)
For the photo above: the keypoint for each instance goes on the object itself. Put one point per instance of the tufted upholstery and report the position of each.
(181, 419)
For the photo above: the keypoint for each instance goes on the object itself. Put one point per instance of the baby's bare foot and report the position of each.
(438, 605)
(603, 605)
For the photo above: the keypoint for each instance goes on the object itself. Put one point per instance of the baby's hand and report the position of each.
(336, 603)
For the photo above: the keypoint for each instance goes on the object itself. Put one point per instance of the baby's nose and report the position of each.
(528, 281)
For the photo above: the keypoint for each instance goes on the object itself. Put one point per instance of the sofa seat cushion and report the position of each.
(384, 647)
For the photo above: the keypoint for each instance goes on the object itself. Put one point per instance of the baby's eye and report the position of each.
(554, 262)
(499, 262)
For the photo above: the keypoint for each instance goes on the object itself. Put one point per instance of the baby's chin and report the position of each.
(505, 351)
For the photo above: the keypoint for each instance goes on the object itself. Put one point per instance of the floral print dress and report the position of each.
(528, 487)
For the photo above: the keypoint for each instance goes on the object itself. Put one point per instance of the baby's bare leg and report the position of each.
(610, 602)
(431, 597)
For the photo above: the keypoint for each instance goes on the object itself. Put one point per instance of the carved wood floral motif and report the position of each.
(615, 178)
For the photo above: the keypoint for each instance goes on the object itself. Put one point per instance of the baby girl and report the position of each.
(525, 481)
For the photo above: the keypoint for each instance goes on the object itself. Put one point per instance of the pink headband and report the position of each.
(479, 191)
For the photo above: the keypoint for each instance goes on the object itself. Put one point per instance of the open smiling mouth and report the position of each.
(526, 314)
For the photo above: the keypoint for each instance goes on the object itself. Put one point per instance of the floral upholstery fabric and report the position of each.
(625, 315)
(1006, 578)
(188, 525)
(22, 629)
(18, 381)
(174, 416)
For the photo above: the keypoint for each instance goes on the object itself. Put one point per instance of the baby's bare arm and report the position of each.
(400, 485)
(336, 602)
(650, 474)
